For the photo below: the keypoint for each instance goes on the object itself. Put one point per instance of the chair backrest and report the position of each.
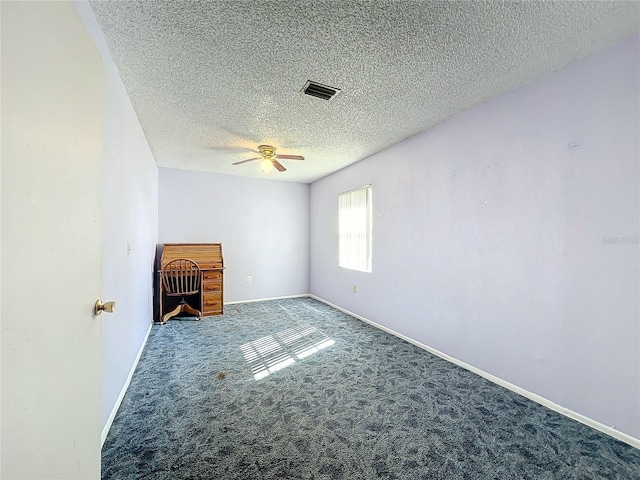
(181, 277)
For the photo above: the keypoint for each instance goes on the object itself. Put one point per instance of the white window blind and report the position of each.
(354, 229)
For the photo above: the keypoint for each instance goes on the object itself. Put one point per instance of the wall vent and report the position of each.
(320, 91)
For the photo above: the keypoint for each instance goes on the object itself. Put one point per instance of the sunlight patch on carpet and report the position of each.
(269, 354)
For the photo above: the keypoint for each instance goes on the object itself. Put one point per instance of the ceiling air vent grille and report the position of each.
(320, 91)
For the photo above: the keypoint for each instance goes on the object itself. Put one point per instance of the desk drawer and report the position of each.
(211, 303)
(210, 287)
(209, 277)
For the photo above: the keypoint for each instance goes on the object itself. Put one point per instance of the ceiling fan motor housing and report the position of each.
(267, 151)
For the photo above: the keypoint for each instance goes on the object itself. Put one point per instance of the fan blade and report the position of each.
(278, 165)
(229, 148)
(290, 157)
(245, 161)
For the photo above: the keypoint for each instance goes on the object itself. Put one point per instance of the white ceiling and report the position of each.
(211, 79)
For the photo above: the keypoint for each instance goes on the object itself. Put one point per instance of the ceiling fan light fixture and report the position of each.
(266, 165)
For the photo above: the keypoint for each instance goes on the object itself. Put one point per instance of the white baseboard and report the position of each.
(267, 299)
(114, 410)
(623, 437)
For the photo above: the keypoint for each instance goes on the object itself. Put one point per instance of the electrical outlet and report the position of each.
(354, 289)
(248, 278)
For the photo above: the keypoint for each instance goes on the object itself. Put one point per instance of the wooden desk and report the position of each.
(208, 256)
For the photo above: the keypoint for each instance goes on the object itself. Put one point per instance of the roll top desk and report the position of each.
(208, 256)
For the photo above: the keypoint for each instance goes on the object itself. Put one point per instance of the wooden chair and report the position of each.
(181, 277)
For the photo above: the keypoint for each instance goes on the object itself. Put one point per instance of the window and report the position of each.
(354, 229)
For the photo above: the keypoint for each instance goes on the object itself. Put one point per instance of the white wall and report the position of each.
(262, 224)
(130, 220)
(507, 237)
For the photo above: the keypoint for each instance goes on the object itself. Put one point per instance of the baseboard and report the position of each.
(623, 437)
(267, 299)
(114, 410)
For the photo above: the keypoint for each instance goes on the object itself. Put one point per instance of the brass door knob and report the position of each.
(108, 307)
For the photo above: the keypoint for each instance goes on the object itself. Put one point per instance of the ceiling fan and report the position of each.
(270, 159)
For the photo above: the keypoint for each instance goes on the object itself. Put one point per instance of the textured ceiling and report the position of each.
(210, 80)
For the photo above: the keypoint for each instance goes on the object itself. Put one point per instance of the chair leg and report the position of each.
(172, 313)
(189, 309)
(183, 307)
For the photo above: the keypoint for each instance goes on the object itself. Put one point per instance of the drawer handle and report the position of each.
(210, 303)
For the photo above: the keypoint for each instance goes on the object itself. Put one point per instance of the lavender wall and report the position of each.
(130, 230)
(507, 237)
(262, 224)
(130, 235)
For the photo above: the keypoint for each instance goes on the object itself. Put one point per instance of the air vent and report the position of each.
(320, 91)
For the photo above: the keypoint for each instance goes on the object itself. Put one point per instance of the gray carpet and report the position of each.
(294, 389)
